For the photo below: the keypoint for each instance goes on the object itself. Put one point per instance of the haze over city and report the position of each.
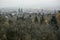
(30, 3)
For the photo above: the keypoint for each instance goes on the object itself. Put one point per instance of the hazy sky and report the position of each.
(30, 3)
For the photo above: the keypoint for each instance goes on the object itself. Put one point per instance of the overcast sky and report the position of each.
(30, 3)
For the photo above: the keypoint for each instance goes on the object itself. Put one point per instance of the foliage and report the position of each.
(23, 29)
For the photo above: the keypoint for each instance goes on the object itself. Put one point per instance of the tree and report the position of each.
(54, 22)
(36, 19)
(42, 19)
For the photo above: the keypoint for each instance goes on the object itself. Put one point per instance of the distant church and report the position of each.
(20, 11)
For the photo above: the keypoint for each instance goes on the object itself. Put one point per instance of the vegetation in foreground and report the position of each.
(26, 29)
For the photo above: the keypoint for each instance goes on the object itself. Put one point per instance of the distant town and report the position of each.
(14, 13)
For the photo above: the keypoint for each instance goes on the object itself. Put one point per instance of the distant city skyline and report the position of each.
(30, 3)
